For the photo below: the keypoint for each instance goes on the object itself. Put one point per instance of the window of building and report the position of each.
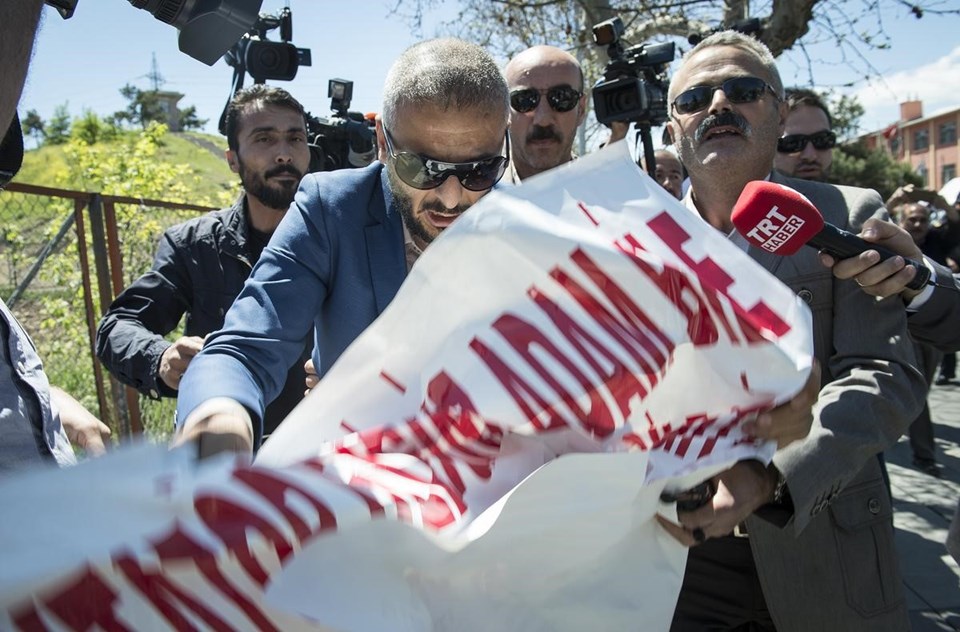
(921, 140)
(948, 173)
(948, 133)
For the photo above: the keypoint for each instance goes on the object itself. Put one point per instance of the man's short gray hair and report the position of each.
(745, 43)
(445, 73)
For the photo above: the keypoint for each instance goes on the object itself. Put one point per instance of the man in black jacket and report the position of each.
(201, 264)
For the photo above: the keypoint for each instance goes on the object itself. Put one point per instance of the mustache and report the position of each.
(435, 206)
(727, 118)
(540, 132)
(282, 169)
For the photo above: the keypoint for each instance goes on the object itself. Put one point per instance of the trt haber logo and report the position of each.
(775, 230)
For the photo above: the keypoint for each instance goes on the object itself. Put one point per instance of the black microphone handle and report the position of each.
(840, 244)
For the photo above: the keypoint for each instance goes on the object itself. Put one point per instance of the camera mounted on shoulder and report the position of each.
(340, 141)
(634, 85)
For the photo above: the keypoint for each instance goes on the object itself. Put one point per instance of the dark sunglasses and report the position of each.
(423, 173)
(737, 90)
(560, 98)
(796, 142)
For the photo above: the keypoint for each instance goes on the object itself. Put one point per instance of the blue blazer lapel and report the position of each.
(384, 237)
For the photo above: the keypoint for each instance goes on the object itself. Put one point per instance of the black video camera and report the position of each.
(265, 59)
(343, 140)
(339, 141)
(634, 86)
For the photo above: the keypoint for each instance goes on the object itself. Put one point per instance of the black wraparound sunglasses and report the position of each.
(423, 173)
(824, 139)
(737, 90)
(561, 98)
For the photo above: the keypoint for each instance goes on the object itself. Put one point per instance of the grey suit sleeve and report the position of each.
(870, 392)
(937, 322)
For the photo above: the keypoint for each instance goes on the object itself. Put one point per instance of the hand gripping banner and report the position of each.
(585, 315)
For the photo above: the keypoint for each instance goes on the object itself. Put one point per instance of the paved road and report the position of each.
(923, 506)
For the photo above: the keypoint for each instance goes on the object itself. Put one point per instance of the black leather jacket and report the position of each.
(199, 269)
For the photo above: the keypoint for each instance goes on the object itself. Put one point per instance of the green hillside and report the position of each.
(47, 165)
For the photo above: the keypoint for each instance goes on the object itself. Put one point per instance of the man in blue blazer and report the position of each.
(341, 252)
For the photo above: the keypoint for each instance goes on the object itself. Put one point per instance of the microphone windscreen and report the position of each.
(775, 218)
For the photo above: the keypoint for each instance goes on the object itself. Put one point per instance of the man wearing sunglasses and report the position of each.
(806, 542)
(806, 148)
(547, 104)
(346, 244)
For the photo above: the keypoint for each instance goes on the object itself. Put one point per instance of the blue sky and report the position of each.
(86, 60)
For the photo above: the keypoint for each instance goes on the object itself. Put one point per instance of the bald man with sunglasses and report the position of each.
(547, 104)
(350, 237)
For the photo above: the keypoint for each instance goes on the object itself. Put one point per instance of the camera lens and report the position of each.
(268, 59)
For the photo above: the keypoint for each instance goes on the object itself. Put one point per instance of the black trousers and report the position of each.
(721, 590)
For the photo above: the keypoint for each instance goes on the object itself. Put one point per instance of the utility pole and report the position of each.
(156, 79)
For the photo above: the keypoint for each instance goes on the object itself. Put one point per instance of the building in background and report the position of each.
(927, 143)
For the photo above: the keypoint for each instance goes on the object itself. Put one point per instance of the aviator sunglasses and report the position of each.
(560, 98)
(793, 143)
(423, 173)
(737, 90)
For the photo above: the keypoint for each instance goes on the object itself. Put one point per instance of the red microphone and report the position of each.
(781, 220)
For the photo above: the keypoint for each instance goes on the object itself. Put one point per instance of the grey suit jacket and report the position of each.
(832, 565)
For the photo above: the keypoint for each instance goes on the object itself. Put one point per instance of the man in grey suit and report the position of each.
(805, 543)
(932, 313)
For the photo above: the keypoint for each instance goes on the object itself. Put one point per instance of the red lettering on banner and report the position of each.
(541, 415)
(229, 521)
(84, 604)
(679, 290)
(167, 597)
(619, 380)
(179, 546)
(758, 318)
(276, 491)
(525, 338)
(634, 328)
(375, 506)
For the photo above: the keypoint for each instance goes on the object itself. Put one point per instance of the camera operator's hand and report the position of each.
(880, 278)
(618, 131)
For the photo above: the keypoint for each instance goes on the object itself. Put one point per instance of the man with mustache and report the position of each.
(346, 245)
(806, 542)
(202, 264)
(547, 104)
(806, 148)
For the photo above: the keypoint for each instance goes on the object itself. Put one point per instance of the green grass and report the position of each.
(212, 174)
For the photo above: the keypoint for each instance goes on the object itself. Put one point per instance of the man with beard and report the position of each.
(350, 238)
(806, 148)
(202, 264)
(806, 542)
(547, 104)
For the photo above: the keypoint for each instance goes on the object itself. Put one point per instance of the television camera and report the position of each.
(634, 85)
(342, 140)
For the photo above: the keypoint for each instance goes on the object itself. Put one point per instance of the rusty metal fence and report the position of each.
(64, 256)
